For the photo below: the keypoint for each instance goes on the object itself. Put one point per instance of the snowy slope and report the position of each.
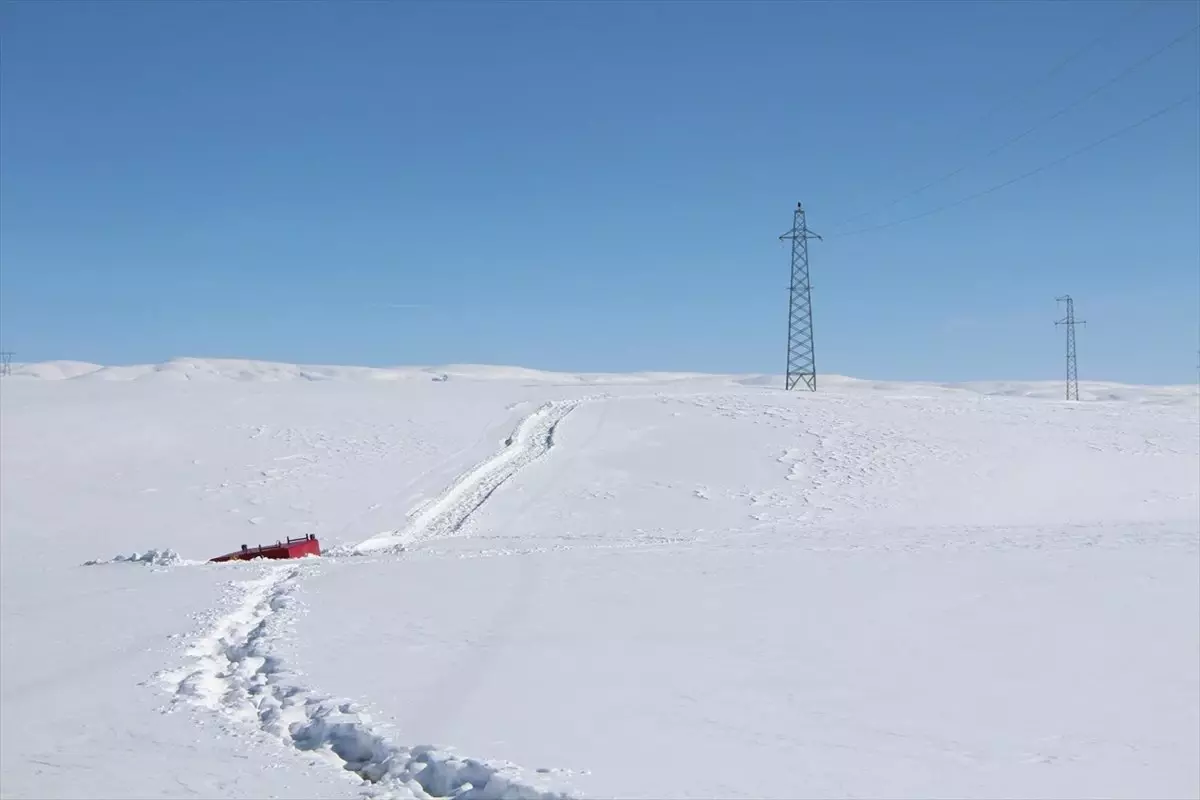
(652, 585)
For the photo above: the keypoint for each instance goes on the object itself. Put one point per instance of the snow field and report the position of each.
(686, 586)
(838, 584)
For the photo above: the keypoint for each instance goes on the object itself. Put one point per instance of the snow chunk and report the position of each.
(154, 558)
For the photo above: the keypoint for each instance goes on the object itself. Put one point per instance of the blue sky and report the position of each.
(599, 185)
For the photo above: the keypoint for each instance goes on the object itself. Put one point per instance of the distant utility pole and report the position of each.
(5, 363)
(802, 361)
(1069, 322)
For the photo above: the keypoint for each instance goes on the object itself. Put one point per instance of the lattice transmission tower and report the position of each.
(1069, 322)
(801, 361)
(5, 363)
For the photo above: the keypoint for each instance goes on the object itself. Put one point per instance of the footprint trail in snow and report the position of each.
(233, 671)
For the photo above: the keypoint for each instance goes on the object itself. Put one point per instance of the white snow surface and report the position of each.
(545, 585)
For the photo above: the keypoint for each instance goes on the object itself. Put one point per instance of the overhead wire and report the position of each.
(1018, 137)
(1023, 176)
(1060, 112)
(1121, 24)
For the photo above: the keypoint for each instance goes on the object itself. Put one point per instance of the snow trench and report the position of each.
(232, 671)
(446, 514)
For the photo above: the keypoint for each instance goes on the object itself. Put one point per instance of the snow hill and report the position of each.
(591, 585)
(224, 369)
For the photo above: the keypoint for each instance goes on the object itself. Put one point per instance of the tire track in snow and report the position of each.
(449, 512)
(233, 671)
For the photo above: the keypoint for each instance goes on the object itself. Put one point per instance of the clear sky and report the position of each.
(600, 185)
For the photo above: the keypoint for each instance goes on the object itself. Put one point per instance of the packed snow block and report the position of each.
(292, 548)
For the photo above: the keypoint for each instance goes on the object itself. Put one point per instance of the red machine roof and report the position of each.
(292, 548)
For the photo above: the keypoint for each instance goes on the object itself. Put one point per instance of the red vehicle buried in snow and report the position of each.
(292, 548)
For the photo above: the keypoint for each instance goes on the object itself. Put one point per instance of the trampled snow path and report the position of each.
(233, 672)
(446, 514)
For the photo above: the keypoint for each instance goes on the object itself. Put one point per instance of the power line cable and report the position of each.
(1025, 175)
(1120, 25)
(1018, 137)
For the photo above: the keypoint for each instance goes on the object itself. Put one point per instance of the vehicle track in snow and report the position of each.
(234, 671)
(446, 514)
(233, 668)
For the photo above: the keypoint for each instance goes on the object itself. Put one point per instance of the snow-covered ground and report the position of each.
(651, 585)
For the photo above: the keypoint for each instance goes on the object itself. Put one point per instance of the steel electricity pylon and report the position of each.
(801, 360)
(1069, 322)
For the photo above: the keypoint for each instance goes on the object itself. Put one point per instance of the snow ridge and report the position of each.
(448, 513)
(233, 672)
